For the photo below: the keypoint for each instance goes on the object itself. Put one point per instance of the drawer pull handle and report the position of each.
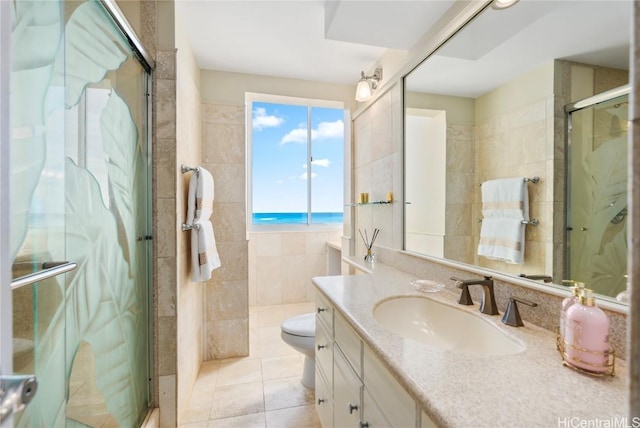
(321, 400)
(352, 408)
(321, 347)
(322, 310)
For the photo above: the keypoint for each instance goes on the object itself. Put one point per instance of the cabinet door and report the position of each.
(372, 416)
(324, 400)
(347, 389)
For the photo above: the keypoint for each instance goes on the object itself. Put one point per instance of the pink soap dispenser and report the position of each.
(576, 290)
(587, 335)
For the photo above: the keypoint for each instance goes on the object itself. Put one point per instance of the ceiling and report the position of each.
(326, 41)
(500, 45)
(333, 40)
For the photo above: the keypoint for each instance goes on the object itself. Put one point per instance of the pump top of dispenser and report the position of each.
(587, 298)
(576, 286)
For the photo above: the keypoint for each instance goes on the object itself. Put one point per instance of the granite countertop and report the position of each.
(528, 389)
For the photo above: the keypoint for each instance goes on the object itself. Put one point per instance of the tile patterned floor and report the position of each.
(261, 390)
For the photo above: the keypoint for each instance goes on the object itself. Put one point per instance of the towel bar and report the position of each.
(186, 226)
(532, 222)
(534, 180)
(185, 169)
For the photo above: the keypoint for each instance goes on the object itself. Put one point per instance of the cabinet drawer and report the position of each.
(347, 388)
(372, 416)
(394, 402)
(349, 343)
(324, 350)
(324, 399)
(324, 312)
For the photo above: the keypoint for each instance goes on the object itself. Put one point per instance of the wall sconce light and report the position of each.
(366, 84)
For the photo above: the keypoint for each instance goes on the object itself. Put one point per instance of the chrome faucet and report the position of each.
(488, 305)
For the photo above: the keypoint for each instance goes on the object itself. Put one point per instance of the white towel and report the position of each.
(505, 204)
(200, 197)
(502, 239)
(204, 254)
(505, 198)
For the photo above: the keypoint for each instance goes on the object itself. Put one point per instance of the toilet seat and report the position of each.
(301, 325)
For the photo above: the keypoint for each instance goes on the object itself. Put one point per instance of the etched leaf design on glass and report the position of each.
(606, 172)
(102, 304)
(36, 23)
(93, 47)
(610, 267)
(119, 136)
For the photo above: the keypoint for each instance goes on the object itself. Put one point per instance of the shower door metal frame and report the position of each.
(569, 109)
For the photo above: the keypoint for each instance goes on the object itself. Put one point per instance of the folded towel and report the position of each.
(200, 197)
(204, 254)
(505, 198)
(502, 239)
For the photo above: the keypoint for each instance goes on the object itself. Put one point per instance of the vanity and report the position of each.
(368, 375)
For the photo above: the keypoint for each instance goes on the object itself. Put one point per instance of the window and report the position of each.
(296, 162)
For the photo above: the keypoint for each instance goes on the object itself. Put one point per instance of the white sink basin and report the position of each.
(443, 326)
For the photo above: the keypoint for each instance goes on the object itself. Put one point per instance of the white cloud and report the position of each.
(328, 130)
(304, 175)
(279, 181)
(321, 162)
(324, 131)
(298, 135)
(261, 120)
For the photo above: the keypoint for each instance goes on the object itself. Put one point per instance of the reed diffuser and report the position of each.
(368, 244)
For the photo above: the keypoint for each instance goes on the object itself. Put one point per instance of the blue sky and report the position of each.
(280, 158)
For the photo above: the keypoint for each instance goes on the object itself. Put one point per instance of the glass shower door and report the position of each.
(79, 192)
(597, 210)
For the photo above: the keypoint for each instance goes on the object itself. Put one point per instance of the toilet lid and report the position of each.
(301, 325)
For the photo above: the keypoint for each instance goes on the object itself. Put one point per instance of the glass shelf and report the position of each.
(358, 204)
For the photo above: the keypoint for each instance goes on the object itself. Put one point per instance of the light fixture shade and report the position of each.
(363, 90)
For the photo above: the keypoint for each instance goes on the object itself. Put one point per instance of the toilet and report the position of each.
(299, 332)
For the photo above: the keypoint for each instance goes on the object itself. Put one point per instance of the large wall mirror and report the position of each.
(537, 90)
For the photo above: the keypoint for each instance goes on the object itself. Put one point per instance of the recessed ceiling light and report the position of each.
(503, 4)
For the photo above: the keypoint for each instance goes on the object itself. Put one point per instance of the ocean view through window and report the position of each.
(297, 162)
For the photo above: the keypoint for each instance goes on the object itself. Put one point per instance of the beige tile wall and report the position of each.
(226, 314)
(189, 295)
(520, 143)
(166, 226)
(281, 265)
(459, 243)
(377, 169)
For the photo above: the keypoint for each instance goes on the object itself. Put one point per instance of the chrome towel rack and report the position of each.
(185, 169)
(532, 222)
(534, 180)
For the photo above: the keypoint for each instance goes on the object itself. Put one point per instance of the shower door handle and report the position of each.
(15, 393)
(50, 269)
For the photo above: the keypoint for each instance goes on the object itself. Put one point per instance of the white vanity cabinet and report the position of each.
(324, 361)
(363, 392)
(347, 392)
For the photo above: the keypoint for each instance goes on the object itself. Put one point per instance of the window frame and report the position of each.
(250, 99)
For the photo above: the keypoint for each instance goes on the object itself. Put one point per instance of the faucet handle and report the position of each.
(512, 314)
(465, 296)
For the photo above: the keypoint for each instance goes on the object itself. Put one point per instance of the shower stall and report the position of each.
(597, 192)
(80, 214)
